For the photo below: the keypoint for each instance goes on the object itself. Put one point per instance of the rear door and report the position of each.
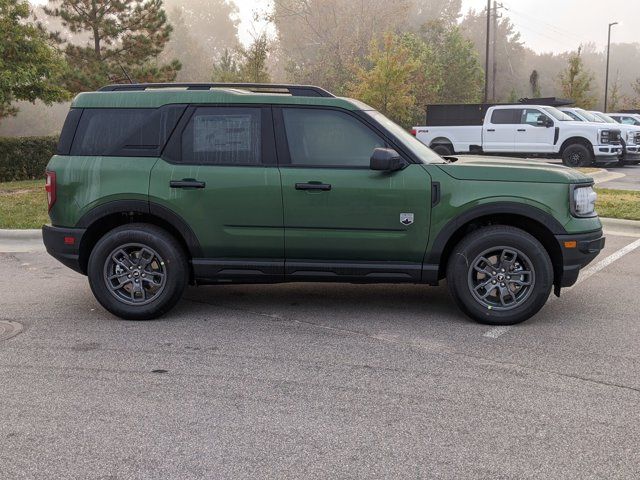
(498, 134)
(219, 174)
(532, 137)
(341, 218)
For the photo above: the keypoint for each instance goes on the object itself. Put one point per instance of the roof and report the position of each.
(156, 95)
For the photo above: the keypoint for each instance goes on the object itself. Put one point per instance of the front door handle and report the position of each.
(187, 183)
(313, 186)
(491, 129)
(522, 130)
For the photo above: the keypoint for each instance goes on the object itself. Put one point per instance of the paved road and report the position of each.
(630, 181)
(318, 381)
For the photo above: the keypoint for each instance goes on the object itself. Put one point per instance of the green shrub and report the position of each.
(25, 158)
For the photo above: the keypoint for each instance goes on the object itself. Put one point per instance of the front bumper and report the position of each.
(607, 153)
(63, 244)
(588, 246)
(632, 152)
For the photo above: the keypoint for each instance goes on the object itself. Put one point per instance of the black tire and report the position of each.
(577, 155)
(149, 252)
(442, 149)
(463, 278)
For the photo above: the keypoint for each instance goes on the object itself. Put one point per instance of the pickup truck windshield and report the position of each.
(588, 116)
(557, 114)
(419, 149)
(604, 118)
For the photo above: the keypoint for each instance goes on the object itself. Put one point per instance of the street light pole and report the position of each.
(606, 77)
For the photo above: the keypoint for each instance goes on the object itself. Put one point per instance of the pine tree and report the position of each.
(29, 66)
(125, 35)
(576, 82)
(614, 94)
(226, 69)
(386, 83)
(535, 85)
(253, 67)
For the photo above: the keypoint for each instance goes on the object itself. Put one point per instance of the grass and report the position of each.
(23, 204)
(588, 169)
(618, 204)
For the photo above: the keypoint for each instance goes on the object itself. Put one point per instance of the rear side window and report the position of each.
(506, 116)
(125, 131)
(223, 136)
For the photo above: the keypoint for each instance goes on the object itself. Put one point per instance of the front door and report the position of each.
(341, 218)
(532, 136)
(219, 174)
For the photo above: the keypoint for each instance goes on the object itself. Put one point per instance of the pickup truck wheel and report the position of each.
(137, 271)
(577, 155)
(442, 149)
(500, 275)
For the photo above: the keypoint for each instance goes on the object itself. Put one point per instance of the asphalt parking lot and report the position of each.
(319, 381)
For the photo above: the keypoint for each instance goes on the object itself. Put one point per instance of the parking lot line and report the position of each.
(586, 273)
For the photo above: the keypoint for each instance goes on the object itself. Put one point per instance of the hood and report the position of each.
(510, 170)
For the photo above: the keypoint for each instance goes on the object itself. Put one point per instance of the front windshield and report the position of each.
(588, 115)
(419, 149)
(605, 118)
(574, 116)
(557, 114)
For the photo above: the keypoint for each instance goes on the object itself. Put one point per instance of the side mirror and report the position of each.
(544, 121)
(386, 160)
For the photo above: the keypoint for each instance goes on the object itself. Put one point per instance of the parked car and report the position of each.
(154, 188)
(626, 118)
(525, 130)
(630, 134)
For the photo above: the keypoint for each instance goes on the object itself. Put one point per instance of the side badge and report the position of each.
(406, 218)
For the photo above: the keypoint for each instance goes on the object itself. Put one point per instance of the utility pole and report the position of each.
(494, 60)
(606, 81)
(486, 54)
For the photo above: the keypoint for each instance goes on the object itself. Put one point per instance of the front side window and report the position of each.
(328, 138)
(531, 116)
(222, 136)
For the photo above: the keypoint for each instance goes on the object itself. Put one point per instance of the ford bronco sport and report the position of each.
(157, 186)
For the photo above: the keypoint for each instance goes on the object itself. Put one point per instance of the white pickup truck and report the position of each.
(527, 130)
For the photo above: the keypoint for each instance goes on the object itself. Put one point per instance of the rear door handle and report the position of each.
(522, 130)
(187, 183)
(313, 186)
(491, 129)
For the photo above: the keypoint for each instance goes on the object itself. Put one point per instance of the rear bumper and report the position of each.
(588, 246)
(63, 244)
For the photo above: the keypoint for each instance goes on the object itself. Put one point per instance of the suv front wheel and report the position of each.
(500, 275)
(137, 271)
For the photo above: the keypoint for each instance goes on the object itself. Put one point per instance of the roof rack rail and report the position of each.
(293, 90)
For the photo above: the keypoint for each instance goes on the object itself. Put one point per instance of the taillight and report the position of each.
(50, 187)
(413, 132)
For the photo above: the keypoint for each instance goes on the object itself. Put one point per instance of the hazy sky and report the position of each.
(545, 25)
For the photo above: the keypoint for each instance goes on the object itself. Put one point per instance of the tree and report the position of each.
(385, 83)
(125, 35)
(446, 12)
(196, 61)
(614, 97)
(575, 82)
(634, 100)
(29, 66)
(226, 70)
(254, 61)
(535, 86)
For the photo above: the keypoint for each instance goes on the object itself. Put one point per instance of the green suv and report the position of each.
(156, 186)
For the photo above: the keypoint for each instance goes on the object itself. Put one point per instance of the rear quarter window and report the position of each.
(125, 131)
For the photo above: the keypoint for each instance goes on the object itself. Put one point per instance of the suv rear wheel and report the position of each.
(137, 271)
(500, 275)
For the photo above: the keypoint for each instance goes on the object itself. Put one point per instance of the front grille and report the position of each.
(637, 138)
(614, 136)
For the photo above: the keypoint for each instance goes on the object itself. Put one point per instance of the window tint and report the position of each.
(223, 136)
(506, 116)
(125, 131)
(328, 138)
(530, 116)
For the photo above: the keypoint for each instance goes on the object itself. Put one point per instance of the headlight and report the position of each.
(604, 136)
(583, 201)
(631, 137)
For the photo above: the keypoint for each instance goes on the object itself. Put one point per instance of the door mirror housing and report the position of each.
(386, 160)
(544, 121)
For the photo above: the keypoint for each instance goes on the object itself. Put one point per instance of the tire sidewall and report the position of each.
(465, 253)
(442, 150)
(174, 264)
(566, 156)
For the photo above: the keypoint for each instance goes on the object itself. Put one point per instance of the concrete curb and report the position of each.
(7, 234)
(614, 226)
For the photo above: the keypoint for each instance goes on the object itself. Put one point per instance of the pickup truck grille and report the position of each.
(637, 138)
(615, 136)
